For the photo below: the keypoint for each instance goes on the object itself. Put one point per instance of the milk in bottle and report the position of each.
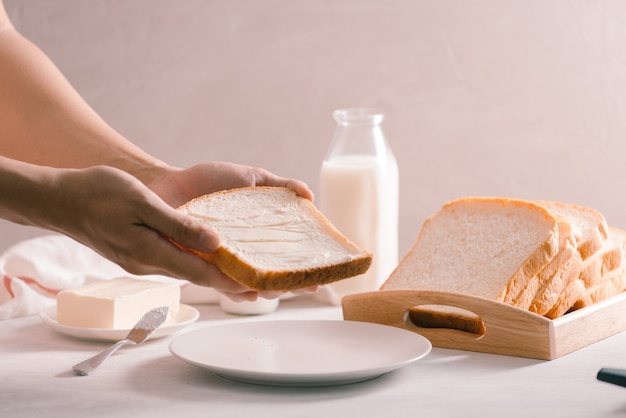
(358, 193)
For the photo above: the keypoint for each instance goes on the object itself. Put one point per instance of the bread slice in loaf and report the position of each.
(590, 226)
(272, 239)
(567, 299)
(608, 258)
(553, 275)
(480, 246)
(583, 275)
(561, 282)
(611, 282)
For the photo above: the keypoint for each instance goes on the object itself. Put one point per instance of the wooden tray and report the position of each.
(507, 330)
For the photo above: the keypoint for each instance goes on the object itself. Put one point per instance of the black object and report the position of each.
(615, 376)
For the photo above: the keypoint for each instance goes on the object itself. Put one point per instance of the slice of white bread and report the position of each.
(614, 283)
(480, 246)
(567, 299)
(589, 225)
(608, 258)
(561, 283)
(273, 239)
(552, 277)
(612, 280)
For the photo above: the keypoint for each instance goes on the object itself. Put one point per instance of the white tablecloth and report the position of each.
(147, 381)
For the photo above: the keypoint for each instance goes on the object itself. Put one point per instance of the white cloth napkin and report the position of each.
(35, 270)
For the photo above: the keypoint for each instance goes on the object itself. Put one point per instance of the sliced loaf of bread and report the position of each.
(546, 257)
(272, 239)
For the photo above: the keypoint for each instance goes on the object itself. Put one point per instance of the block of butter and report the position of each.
(115, 304)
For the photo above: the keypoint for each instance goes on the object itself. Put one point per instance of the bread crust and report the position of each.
(249, 276)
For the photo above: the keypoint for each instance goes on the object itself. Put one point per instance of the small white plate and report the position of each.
(186, 315)
(300, 353)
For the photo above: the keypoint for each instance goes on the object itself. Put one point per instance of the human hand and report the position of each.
(177, 186)
(116, 215)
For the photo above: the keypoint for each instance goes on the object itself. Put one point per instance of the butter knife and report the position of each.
(148, 323)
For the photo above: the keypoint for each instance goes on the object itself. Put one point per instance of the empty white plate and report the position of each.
(300, 352)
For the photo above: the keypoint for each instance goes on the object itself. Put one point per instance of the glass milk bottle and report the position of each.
(359, 193)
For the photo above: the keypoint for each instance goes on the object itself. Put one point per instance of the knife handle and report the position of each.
(615, 376)
(91, 364)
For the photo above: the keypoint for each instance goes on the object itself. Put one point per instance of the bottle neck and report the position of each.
(358, 116)
(358, 132)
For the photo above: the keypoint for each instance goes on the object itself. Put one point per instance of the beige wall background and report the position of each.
(516, 98)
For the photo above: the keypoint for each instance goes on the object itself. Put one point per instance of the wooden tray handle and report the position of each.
(453, 320)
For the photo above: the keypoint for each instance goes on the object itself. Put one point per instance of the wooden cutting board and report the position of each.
(452, 320)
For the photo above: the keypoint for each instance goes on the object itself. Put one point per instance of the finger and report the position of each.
(249, 296)
(160, 256)
(265, 178)
(182, 229)
(301, 188)
(189, 233)
(270, 294)
(306, 290)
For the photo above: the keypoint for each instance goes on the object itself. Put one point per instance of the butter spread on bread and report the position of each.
(273, 239)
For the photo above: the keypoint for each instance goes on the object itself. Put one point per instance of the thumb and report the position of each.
(187, 232)
(197, 236)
